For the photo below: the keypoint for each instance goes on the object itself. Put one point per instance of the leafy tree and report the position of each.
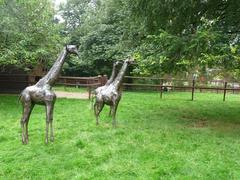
(165, 36)
(100, 35)
(186, 35)
(28, 33)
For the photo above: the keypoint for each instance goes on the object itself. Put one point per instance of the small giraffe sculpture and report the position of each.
(110, 80)
(111, 94)
(41, 93)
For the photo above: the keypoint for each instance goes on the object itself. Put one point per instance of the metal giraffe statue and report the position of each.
(111, 94)
(41, 93)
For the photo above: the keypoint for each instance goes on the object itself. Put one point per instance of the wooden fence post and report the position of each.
(193, 89)
(65, 83)
(224, 91)
(233, 86)
(100, 79)
(161, 88)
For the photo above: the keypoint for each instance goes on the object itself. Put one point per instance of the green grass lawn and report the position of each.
(172, 138)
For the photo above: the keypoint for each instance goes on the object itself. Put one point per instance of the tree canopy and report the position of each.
(28, 33)
(164, 36)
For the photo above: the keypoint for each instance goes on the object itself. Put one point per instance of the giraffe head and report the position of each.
(116, 63)
(72, 49)
(130, 60)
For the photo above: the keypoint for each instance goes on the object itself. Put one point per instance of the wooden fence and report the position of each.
(14, 83)
(161, 85)
(89, 82)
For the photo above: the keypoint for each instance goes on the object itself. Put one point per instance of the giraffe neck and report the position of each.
(52, 75)
(118, 80)
(113, 75)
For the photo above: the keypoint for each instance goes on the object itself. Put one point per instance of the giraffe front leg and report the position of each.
(115, 106)
(96, 113)
(47, 127)
(49, 121)
(48, 113)
(51, 129)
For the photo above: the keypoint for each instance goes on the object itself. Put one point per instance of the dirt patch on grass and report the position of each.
(71, 95)
(200, 124)
(195, 123)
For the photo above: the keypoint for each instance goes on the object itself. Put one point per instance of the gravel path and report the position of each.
(71, 95)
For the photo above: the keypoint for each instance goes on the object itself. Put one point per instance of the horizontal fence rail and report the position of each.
(14, 83)
(163, 83)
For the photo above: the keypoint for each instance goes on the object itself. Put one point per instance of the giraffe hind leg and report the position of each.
(111, 110)
(27, 108)
(27, 121)
(98, 106)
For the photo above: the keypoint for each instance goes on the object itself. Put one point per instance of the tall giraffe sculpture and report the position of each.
(41, 93)
(111, 94)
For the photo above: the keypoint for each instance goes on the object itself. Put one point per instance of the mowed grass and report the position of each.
(169, 138)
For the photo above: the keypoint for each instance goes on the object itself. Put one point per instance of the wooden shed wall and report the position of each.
(12, 80)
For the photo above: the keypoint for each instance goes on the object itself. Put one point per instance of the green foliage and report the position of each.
(165, 36)
(183, 140)
(28, 33)
(198, 34)
(102, 36)
(168, 53)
